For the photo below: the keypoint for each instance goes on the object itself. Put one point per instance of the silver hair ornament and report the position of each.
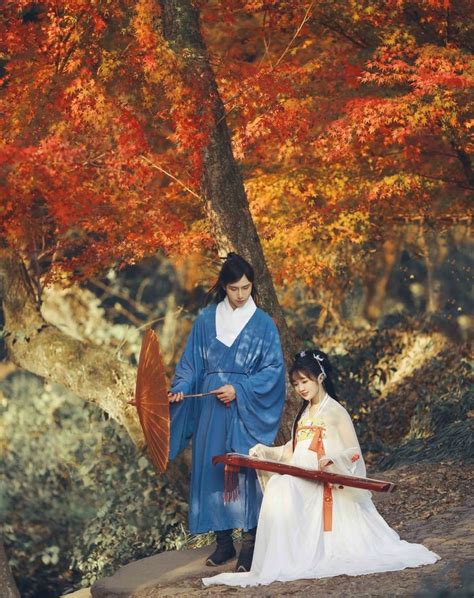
(320, 359)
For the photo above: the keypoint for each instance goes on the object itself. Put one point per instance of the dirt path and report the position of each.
(433, 505)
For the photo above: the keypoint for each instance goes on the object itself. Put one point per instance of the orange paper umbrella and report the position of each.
(151, 400)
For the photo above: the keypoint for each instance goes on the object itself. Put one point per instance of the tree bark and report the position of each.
(221, 182)
(7, 583)
(87, 370)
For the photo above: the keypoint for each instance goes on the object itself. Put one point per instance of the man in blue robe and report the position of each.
(246, 366)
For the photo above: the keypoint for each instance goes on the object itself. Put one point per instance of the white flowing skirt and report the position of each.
(291, 544)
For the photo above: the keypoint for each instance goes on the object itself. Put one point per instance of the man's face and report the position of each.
(238, 292)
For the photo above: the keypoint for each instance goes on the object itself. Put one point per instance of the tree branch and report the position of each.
(91, 372)
(295, 35)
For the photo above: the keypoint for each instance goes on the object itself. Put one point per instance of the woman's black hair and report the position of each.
(312, 363)
(233, 268)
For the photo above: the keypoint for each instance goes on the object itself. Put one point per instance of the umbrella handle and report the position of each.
(203, 394)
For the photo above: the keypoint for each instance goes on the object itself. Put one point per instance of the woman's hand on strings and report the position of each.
(175, 397)
(225, 393)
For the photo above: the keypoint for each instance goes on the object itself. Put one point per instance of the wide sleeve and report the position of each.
(260, 396)
(349, 460)
(188, 375)
(190, 366)
(281, 454)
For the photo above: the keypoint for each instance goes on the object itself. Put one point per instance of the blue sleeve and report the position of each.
(190, 366)
(260, 397)
(187, 378)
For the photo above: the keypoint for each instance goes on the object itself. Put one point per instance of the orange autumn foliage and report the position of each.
(345, 116)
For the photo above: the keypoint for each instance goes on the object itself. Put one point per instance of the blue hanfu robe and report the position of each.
(254, 365)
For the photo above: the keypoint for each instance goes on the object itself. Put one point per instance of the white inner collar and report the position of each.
(230, 322)
(320, 406)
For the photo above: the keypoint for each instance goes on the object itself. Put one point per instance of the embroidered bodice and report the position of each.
(307, 427)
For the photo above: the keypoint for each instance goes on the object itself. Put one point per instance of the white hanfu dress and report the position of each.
(291, 541)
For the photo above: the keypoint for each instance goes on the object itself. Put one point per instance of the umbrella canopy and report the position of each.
(151, 400)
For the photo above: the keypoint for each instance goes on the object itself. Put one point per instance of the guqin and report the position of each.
(234, 461)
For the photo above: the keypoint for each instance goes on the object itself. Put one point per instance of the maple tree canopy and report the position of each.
(345, 117)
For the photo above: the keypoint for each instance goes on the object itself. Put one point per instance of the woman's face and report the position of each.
(238, 292)
(306, 388)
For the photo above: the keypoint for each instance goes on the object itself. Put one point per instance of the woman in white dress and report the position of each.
(311, 530)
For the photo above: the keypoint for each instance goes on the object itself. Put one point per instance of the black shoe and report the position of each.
(244, 562)
(224, 550)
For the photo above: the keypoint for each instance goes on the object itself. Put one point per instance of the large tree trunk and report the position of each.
(34, 345)
(7, 583)
(221, 182)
